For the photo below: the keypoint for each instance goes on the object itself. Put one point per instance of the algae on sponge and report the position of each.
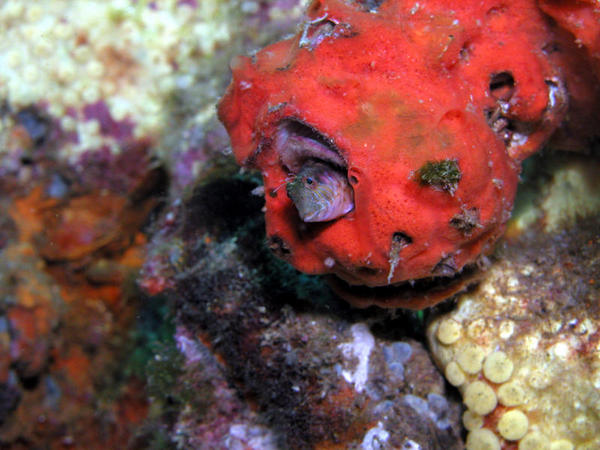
(443, 174)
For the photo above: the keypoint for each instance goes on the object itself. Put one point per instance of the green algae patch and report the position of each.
(443, 174)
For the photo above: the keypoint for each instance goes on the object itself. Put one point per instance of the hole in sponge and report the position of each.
(400, 240)
(297, 143)
(502, 85)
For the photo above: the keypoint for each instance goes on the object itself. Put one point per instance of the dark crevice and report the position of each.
(502, 86)
(35, 123)
(371, 6)
(400, 238)
(298, 143)
(297, 128)
(278, 246)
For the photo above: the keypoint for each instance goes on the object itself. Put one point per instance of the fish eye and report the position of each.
(308, 180)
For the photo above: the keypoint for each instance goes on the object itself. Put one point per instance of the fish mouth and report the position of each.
(415, 294)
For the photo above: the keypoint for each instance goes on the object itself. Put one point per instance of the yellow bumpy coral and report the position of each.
(523, 350)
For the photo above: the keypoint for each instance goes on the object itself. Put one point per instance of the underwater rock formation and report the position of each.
(68, 308)
(318, 374)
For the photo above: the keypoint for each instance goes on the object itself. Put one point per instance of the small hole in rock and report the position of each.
(401, 239)
(35, 123)
(278, 246)
(446, 267)
(465, 51)
(370, 5)
(502, 85)
(354, 175)
(452, 115)
(366, 271)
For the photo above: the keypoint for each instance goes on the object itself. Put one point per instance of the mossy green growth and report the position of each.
(444, 174)
(168, 395)
(163, 372)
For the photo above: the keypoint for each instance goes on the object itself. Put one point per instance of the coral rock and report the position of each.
(316, 376)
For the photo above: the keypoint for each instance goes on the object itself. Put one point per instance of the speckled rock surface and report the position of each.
(319, 374)
(523, 347)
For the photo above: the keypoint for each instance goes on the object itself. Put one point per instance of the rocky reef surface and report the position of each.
(141, 307)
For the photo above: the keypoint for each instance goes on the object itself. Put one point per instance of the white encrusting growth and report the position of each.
(375, 438)
(360, 348)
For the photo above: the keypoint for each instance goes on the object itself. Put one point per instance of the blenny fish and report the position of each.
(320, 193)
